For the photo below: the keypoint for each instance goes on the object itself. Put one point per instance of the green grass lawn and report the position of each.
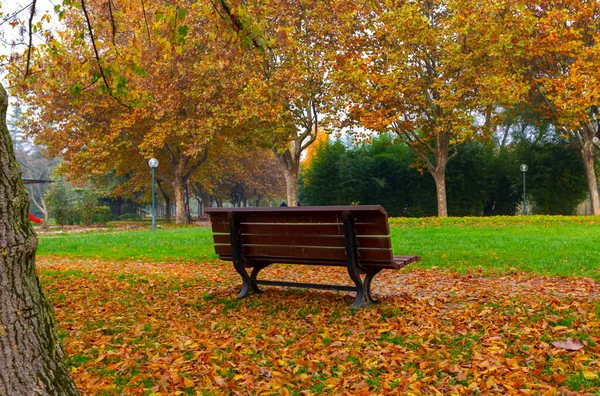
(546, 245)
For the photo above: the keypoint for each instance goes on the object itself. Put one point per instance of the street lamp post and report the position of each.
(524, 170)
(153, 163)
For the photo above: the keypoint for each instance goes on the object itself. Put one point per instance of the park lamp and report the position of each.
(524, 169)
(153, 163)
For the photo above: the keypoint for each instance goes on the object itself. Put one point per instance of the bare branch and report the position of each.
(14, 15)
(30, 46)
(97, 54)
(91, 31)
(146, 20)
(112, 22)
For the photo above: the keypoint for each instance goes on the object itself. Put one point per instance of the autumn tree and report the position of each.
(290, 99)
(409, 68)
(562, 72)
(117, 110)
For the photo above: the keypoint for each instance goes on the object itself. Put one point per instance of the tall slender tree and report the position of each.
(295, 44)
(409, 68)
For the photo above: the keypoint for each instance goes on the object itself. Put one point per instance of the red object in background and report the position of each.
(35, 219)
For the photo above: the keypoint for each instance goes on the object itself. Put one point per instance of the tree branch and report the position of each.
(235, 21)
(91, 31)
(29, 47)
(199, 162)
(145, 20)
(98, 62)
(112, 22)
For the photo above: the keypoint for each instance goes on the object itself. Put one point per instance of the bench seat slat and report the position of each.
(306, 252)
(309, 217)
(381, 242)
(362, 214)
(302, 229)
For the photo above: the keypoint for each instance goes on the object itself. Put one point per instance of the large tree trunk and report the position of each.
(291, 168)
(439, 177)
(31, 358)
(180, 212)
(587, 156)
(439, 172)
(291, 186)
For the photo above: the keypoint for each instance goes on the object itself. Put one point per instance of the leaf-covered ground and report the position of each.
(145, 328)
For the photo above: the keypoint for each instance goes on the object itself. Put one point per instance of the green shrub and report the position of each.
(101, 215)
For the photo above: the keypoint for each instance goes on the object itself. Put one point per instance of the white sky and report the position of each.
(9, 7)
(9, 36)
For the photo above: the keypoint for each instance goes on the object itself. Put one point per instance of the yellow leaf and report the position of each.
(188, 383)
(588, 375)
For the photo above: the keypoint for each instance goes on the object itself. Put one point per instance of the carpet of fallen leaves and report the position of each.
(145, 328)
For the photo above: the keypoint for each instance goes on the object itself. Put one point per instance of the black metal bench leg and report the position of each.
(367, 285)
(257, 268)
(352, 261)
(361, 299)
(245, 292)
(361, 290)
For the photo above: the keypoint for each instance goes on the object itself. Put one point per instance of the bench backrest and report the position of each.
(303, 235)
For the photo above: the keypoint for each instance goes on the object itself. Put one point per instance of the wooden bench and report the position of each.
(356, 237)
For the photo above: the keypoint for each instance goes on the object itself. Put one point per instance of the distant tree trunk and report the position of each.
(441, 155)
(118, 207)
(31, 358)
(440, 190)
(291, 186)
(167, 199)
(291, 168)
(582, 140)
(46, 214)
(205, 201)
(43, 208)
(179, 188)
(587, 157)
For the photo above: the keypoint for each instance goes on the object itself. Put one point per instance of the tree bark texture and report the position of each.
(290, 164)
(179, 189)
(440, 190)
(587, 156)
(31, 358)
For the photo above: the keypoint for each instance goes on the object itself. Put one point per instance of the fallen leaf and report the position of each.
(572, 344)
